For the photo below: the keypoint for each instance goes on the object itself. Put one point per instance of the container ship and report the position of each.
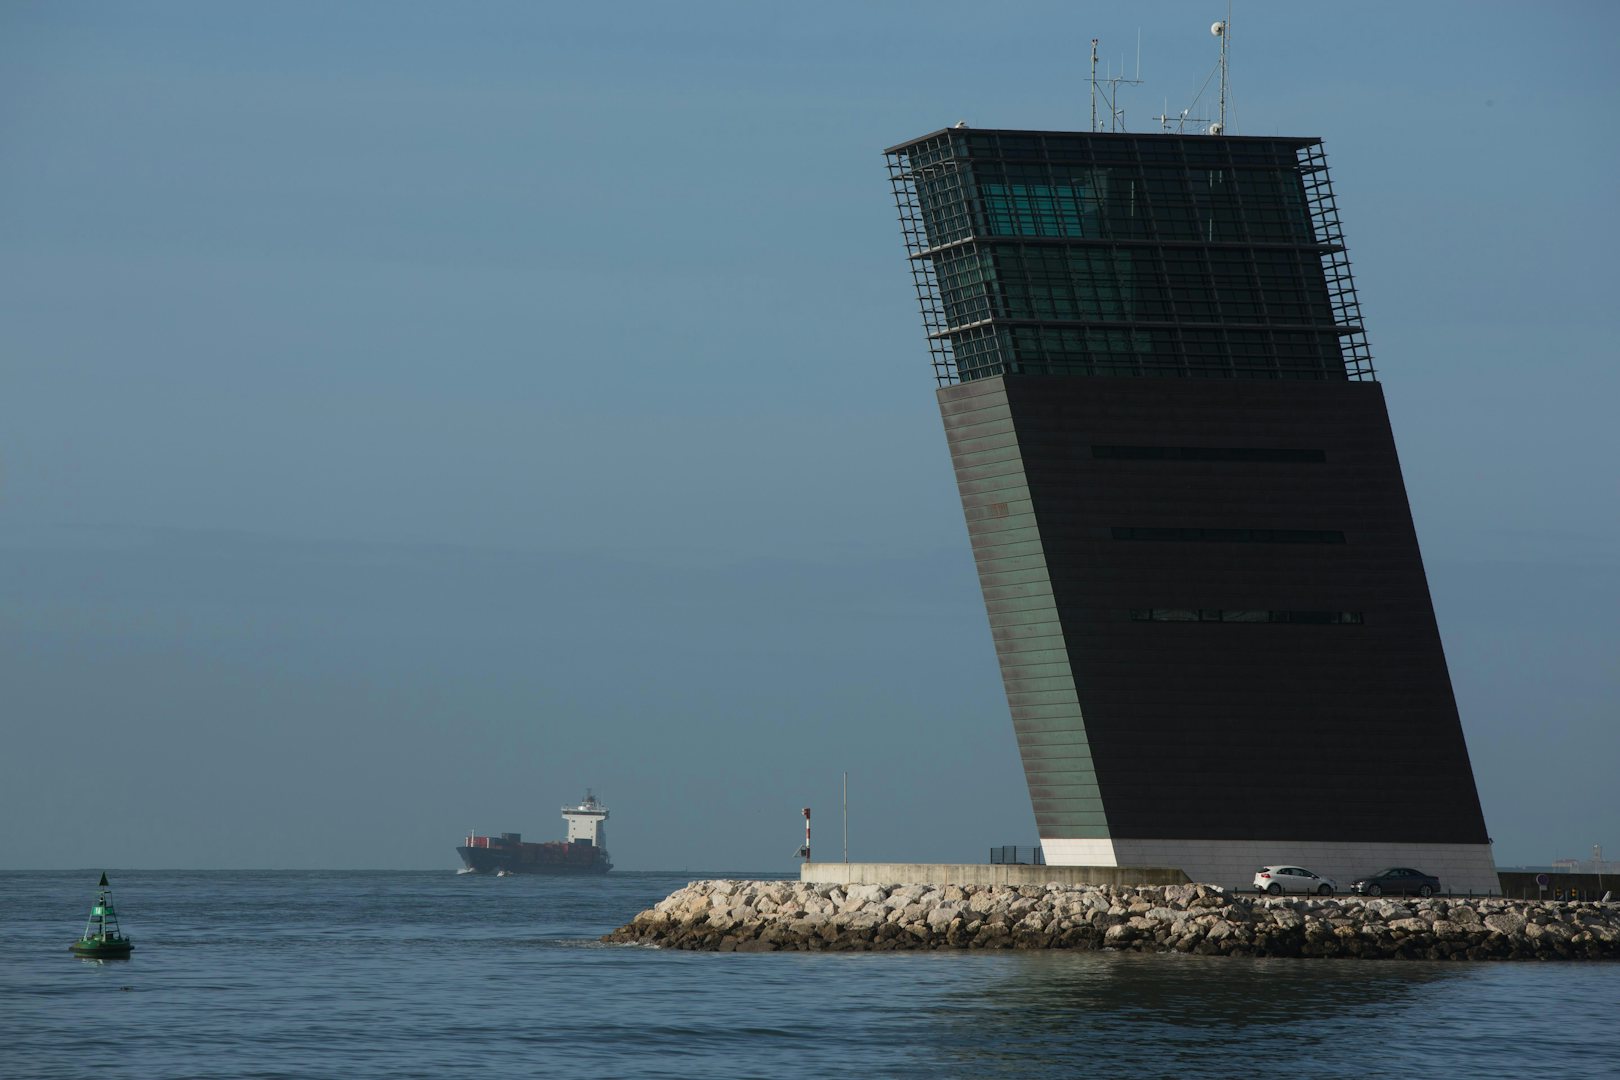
(584, 851)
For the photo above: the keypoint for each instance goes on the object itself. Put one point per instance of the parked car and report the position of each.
(1402, 880)
(1280, 879)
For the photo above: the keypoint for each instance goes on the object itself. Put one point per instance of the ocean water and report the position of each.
(431, 974)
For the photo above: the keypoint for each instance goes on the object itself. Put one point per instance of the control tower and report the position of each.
(1185, 505)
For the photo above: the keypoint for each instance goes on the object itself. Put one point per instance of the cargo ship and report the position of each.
(583, 851)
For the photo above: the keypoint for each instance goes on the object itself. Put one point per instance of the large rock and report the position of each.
(1507, 923)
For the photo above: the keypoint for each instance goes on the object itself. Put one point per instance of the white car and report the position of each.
(1280, 879)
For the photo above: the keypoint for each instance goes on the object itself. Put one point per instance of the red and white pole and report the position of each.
(807, 834)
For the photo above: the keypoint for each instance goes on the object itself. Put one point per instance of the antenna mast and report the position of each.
(1221, 28)
(1111, 94)
(1093, 84)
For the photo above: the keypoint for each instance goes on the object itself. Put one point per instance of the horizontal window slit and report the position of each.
(1209, 453)
(1304, 618)
(1236, 536)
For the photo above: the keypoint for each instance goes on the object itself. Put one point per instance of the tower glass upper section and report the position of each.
(1078, 253)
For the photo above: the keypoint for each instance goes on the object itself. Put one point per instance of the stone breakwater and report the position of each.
(771, 916)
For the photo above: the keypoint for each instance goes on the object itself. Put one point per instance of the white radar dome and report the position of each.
(1217, 28)
(1215, 128)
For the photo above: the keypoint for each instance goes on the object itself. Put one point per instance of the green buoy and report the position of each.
(102, 938)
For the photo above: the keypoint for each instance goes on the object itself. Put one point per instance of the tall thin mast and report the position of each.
(1093, 84)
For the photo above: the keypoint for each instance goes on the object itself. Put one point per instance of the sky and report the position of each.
(412, 414)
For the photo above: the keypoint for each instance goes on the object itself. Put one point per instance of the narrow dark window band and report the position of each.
(1239, 536)
(1306, 618)
(1209, 453)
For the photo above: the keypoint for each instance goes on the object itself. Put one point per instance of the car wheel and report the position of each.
(1274, 888)
(1375, 890)
(1325, 890)
(1426, 891)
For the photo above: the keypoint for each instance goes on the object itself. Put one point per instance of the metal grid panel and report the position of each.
(1336, 262)
(902, 181)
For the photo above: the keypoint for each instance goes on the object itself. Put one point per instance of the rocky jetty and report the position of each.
(771, 916)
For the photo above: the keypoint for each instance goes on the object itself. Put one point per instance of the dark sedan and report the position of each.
(1399, 880)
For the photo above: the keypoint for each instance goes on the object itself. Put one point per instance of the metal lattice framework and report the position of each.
(903, 182)
(1341, 285)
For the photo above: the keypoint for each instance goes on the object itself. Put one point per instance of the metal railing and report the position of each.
(1014, 855)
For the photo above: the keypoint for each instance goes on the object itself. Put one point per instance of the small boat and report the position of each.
(503, 872)
(102, 938)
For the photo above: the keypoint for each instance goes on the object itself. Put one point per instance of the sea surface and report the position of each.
(434, 974)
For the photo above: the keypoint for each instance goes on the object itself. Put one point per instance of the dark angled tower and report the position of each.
(1185, 505)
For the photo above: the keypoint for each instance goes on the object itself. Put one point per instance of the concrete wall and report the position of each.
(838, 873)
(1461, 868)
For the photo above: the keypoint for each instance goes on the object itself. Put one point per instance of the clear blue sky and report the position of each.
(411, 414)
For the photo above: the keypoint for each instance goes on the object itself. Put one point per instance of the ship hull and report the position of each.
(569, 861)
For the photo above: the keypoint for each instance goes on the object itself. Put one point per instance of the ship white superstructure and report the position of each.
(587, 822)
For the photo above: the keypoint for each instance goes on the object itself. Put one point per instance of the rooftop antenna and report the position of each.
(1116, 115)
(1221, 28)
